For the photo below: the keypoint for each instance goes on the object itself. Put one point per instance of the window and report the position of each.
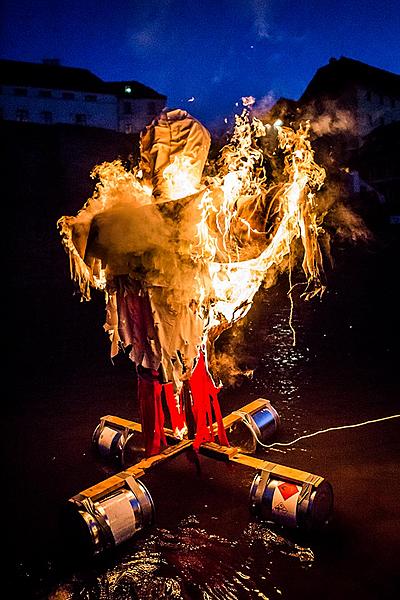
(90, 98)
(127, 108)
(80, 119)
(151, 108)
(20, 92)
(68, 95)
(128, 128)
(22, 115)
(46, 117)
(45, 93)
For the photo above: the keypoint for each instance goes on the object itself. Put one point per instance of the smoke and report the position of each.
(264, 104)
(327, 118)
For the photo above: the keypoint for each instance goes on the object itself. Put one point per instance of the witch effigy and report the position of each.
(141, 245)
(180, 257)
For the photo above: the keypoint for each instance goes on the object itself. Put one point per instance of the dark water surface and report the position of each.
(344, 369)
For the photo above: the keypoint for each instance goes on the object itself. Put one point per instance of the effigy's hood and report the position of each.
(175, 133)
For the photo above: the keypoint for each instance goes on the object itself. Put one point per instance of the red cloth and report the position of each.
(205, 407)
(205, 402)
(151, 413)
(177, 415)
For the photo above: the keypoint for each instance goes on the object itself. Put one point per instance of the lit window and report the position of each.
(46, 117)
(128, 89)
(68, 95)
(20, 92)
(45, 93)
(80, 119)
(22, 115)
(90, 98)
(127, 108)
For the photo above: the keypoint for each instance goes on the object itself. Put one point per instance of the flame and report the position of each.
(181, 177)
(248, 224)
(227, 225)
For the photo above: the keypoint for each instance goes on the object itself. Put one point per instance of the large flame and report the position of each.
(247, 225)
(227, 230)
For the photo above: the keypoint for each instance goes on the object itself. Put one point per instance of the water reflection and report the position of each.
(189, 562)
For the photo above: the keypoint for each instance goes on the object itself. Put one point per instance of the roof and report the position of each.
(51, 75)
(342, 73)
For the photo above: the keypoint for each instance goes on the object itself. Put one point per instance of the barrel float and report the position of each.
(291, 498)
(110, 517)
(257, 422)
(109, 441)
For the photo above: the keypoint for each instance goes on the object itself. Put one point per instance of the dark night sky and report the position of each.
(213, 50)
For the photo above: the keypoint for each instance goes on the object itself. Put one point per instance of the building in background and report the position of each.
(50, 93)
(354, 111)
(369, 94)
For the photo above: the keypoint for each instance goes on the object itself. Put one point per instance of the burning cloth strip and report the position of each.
(181, 256)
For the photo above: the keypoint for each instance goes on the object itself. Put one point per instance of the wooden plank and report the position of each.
(134, 426)
(232, 418)
(123, 423)
(151, 461)
(107, 485)
(217, 451)
(115, 482)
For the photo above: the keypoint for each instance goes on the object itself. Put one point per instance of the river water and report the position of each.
(344, 369)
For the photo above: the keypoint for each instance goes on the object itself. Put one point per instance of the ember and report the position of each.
(180, 254)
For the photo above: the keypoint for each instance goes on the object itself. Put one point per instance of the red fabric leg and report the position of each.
(151, 412)
(176, 414)
(205, 402)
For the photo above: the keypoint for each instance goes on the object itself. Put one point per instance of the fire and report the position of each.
(181, 178)
(246, 225)
(226, 226)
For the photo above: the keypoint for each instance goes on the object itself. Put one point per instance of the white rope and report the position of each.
(309, 435)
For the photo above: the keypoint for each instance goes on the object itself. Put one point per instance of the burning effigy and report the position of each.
(181, 249)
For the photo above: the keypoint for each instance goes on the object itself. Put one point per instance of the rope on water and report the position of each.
(309, 435)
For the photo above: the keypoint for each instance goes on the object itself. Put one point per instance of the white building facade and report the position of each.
(49, 93)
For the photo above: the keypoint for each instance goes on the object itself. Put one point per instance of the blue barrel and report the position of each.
(109, 441)
(253, 427)
(265, 422)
